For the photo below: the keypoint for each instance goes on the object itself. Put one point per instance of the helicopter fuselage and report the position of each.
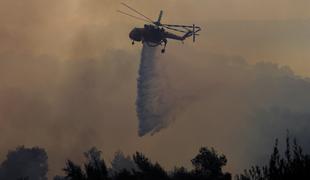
(149, 33)
(152, 35)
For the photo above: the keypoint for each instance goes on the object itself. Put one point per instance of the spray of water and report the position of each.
(153, 108)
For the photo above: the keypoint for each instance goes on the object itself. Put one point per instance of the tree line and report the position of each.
(207, 165)
(31, 164)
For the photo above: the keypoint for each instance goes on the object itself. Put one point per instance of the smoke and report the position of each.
(153, 105)
(68, 80)
(240, 108)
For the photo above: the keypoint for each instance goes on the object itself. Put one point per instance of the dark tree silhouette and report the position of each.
(148, 170)
(59, 178)
(73, 172)
(181, 174)
(31, 164)
(125, 175)
(23, 178)
(25, 163)
(94, 168)
(294, 165)
(122, 162)
(208, 164)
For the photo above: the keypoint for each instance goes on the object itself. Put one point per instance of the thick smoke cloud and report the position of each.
(246, 106)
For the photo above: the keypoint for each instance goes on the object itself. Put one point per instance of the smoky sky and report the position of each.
(68, 79)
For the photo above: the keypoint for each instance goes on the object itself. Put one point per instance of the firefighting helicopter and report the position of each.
(155, 33)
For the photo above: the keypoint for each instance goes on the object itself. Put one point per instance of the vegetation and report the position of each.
(207, 165)
(31, 164)
(294, 164)
(25, 164)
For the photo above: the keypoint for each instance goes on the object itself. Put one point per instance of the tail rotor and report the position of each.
(194, 33)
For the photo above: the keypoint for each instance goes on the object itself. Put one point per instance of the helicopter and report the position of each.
(155, 33)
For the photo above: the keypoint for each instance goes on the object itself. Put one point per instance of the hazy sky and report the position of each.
(68, 76)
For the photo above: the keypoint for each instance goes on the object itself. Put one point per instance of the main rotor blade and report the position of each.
(135, 17)
(182, 26)
(174, 29)
(176, 25)
(137, 12)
